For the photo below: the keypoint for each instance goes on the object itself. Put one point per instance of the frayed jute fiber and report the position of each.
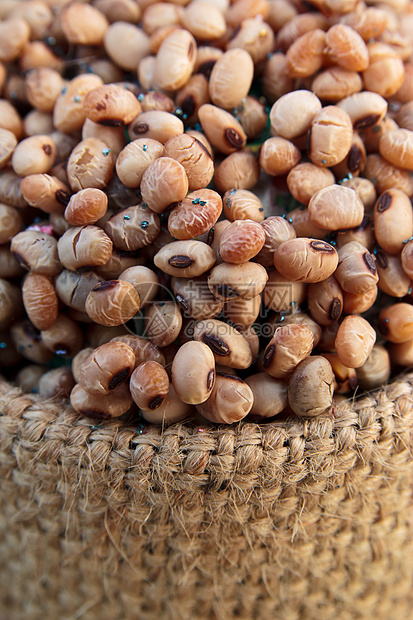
(291, 520)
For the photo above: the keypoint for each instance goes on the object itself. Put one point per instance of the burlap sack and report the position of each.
(292, 520)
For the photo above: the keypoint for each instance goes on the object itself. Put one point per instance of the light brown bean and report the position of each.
(163, 183)
(336, 208)
(193, 372)
(231, 400)
(228, 346)
(185, 259)
(396, 322)
(393, 220)
(115, 404)
(354, 341)
(112, 302)
(306, 260)
(149, 385)
(40, 300)
(163, 322)
(227, 281)
(195, 215)
(311, 387)
(107, 367)
(231, 78)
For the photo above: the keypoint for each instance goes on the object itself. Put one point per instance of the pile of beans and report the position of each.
(205, 206)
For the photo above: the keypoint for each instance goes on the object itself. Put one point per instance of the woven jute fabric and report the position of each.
(291, 520)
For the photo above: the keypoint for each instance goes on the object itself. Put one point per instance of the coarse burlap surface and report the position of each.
(292, 520)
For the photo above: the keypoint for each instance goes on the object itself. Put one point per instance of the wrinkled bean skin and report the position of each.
(111, 105)
(93, 406)
(231, 400)
(289, 345)
(112, 302)
(149, 385)
(356, 272)
(241, 241)
(310, 387)
(306, 260)
(195, 215)
(90, 165)
(144, 350)
(228, 346)
(40, 300)
(336, 208)
(107, 367)
(163, 322)
(241, 204)
(164, 182)
(135, 157)
(325, 301)
(228, 281)
(354, 341)
(133, 228)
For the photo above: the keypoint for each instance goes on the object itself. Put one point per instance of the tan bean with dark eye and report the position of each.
(185, 259)
(40, 300)
(221, 129)
(45, 192)
(311, 387)
(396, 322)
(112, 302)
(330, 136)
(33, 155)
(193, 372)
(156, 124)
(278, 156)
(306, 260)
(64, 337)
(144, 350)
(111, 105)
(240, 170)
(83, 247)
(135, 158)
(354, 161)
(133, 228)
(194, 158)
(90, 165)
(392, 278)
(325, 301)
(354, 341)
(228, 281)
(231, 78)
(36, 252)
(270, 395)
(230, 401)
(195, 299)
(163, 183)
(365, 109)
(242, 204)
(175, 60)
(10, 222)
(226, 343)
(356, 272)
(336, 208)
(149, 385)
(393, 220)
(93, 406)
(106, 368)
(289, 345)
(72, 288)
(163, 322)
(241, 241)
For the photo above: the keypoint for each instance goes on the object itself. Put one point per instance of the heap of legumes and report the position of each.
(205, 206)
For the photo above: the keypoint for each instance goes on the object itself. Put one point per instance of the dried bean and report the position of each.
(56, 383)
(195, 299)
(45, 192)
(27, 341)
(393, 220)
(143, 349)
(397, 148)
(386, 176)
(112, 302)
(36, 252)
(111, 105)
(156, 124)
(226, 343)
(72, 288)
(356, 272)
(204, 20)
(255, 37)
(33, 155)
(270, 395)
(305, 179)
(193, 157)
(330, 136)
(227, 281)
(231, 78)
(240, 170)
(164, 182)
(84, 247)
(64, 337)
(306, 260)
(163, 322)
(252, 116)
(289, 345)
(170, 411)
(106, 368)
(336, 83)
(175, 60)
(325, 301)
(68, 112)
(86, 207)
(278, 156)
(193, 372)
(93, 406)
(392, 278)
(90, 165)
(145, 281)
(311, 386)
(40, 300)
(346, 47)
(135, 158)
(354, 341)
(396, 322)
(133, 228)
(221, 129)
(241, 204)
(376, 370)
(149, 385)
(241, 241)
(306, 55)
(292, 115)
(365, 109)
(185, 259)
(336, 208)
(230, 401)
(242, 312)
(190, 97)
(8, 143)
(10, 222)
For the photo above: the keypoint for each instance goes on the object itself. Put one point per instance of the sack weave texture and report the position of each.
(289, 520)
